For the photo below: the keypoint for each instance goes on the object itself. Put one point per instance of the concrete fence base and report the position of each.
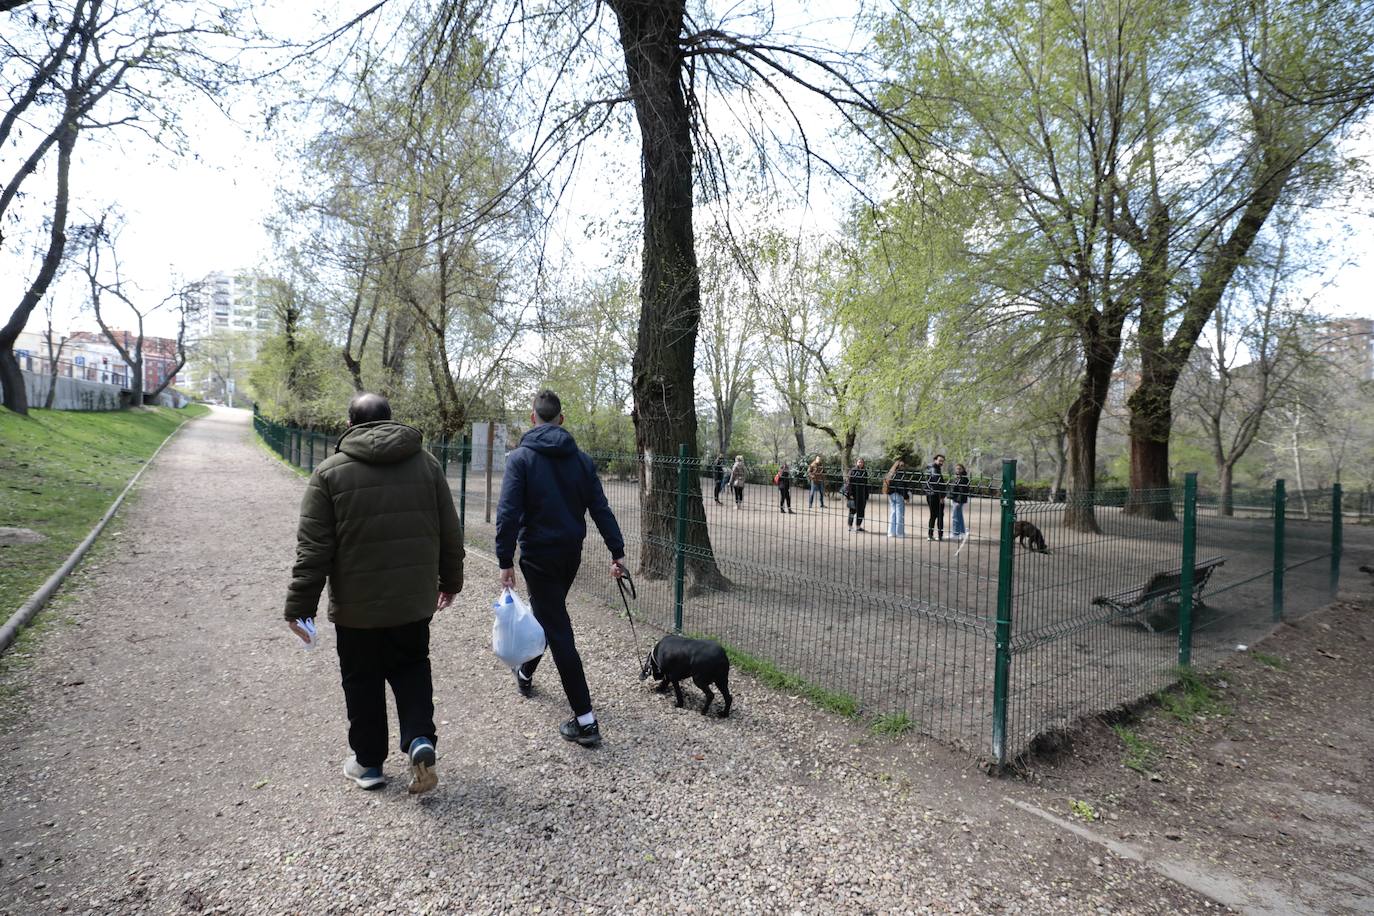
(81, 394)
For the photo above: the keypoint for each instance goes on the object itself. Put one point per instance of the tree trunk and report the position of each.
(1297, 469)
(798, 429)
(136, 383)
(15, 397)
(670, 296)
(1084, 416)
(1061, 462)
(1151, 420)
(725, 426)
(1226, 500)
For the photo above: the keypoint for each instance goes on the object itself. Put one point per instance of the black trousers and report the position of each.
(369, 659)
(548, 577)
(784, 497)
(857, 508)
(739, 494)
(936, 503)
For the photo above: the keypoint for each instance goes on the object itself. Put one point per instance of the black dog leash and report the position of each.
(625, 600)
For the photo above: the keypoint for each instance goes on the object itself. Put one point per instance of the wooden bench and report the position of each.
(1136, 603)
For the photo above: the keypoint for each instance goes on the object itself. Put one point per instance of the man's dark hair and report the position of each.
(938, 458)
(547, 406)
(368, 408)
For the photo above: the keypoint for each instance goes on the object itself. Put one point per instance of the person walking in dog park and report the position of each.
(378, 523)
(935, 488)
(958, 497)
(738, 475)
(895, 488)
(783, 480)
(718, 477)
(856, 496)
(815, 472)
(549, 488)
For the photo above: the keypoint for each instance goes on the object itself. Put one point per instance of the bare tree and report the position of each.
(729, 351)
(79, 65)
(1259, 354)
(132, 346)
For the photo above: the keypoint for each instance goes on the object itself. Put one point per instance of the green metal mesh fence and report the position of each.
(901, 619)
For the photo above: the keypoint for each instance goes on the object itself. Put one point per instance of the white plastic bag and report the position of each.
(516, 637)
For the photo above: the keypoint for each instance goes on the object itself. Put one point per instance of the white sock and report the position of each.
(586, 718)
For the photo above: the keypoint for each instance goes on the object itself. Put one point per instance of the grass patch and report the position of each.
(262, 444)
(59, 472)
(773, 677)
(893, 724)
(1191, 697)
(1082, 810)
(1139, 752)
(1273, 661)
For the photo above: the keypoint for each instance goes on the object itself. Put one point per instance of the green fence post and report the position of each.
(1336, 543)
(310, 461)
(1280, 503)
(1002, 672)
(443, 456)
(463, 457)
(681, 545)
(1185, 591)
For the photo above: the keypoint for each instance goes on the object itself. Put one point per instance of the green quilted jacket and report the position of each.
(378, 522)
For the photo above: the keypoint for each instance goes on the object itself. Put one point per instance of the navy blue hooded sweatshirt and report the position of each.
(549, 487)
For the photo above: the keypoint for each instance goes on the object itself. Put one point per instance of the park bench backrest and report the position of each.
(1161, 584)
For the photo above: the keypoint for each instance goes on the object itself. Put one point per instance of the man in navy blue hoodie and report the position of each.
(549, 487)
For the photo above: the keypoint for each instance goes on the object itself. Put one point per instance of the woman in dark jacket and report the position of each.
(856, 496)
(784, 484)
(935, 497)
(958, 496)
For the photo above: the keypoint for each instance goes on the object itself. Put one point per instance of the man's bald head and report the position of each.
(368, 408)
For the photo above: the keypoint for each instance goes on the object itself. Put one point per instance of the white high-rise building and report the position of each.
(233, 302)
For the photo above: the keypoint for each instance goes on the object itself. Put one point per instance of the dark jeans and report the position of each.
(719, 485)
(784, 497)
(369, 659)
(548, 577)
(739, 494)
(936, 503)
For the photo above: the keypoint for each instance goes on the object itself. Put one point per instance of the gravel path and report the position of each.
(173, 750)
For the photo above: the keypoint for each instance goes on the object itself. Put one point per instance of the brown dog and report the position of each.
(1024, 531)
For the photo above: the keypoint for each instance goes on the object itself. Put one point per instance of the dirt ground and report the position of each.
(167, 747)
(907, 626)
(1268, 787)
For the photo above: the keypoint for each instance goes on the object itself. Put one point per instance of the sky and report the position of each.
(186, 216)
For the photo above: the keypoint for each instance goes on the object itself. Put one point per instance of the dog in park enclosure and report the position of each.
(702, 660)
(1024, 531)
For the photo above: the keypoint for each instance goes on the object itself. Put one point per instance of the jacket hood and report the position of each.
(380, 442)
(550, 439)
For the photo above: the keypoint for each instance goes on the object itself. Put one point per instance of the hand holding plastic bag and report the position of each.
(516, 637)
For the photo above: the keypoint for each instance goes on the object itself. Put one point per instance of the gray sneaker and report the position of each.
(365, 777)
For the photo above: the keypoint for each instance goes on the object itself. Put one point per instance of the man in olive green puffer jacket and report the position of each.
(378, 523)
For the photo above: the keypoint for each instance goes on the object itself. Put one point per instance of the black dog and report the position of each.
(1023, 531)
(704, 661)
